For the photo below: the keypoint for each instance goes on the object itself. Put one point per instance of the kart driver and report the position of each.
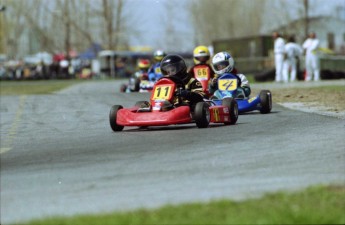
(154, 71)
(143, 66)
(136, 78)
(222, 63)
(174, 66)
(201, 56)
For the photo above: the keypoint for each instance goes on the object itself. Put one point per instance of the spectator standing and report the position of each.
(279, 50)
(292, 53)
(64, 64)
(39, 70)
(312, 64)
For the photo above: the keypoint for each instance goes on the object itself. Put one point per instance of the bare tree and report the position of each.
(108, 20)
(306, 17)
(3, 28)
(113, 22)
(118, 23)
(219, 19)
(66, 15)
(64, 24)
(75, 19)
(205, 23)
(19, 18)
(171, 39)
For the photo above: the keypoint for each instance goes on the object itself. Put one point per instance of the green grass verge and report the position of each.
(333, 88)
(34, 87)
(321, 89)
(315, 205)
(251, 78)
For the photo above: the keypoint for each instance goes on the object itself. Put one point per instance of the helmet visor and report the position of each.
(172, 69)
(202, 58)
(158, 58)
(221, 65)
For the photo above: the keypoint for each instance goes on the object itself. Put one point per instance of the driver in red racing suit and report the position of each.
(174, 66)
(201, 56)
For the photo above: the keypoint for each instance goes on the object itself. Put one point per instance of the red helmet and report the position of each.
(144, 64)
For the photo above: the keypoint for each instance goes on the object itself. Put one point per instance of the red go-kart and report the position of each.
(203, 74)
(167, 108)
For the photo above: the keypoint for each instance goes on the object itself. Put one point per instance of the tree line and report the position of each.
(53, 25)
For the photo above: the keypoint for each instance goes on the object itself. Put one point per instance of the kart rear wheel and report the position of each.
(266, 101)
(137, 85)
(202, 114)
(134, 84)
(112, 118)
(123, 88)
(233, 110)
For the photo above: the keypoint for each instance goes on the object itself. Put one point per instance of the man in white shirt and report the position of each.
(292, 52)
(312, 64)
(279, 49)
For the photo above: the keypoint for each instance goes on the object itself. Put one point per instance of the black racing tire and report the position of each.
(137, 85)
(112, 118)
(232, 104)
(202, 114)
(123, 88)
(265, 101)
(134, 84)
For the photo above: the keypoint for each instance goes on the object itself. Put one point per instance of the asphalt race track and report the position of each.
(59, 155)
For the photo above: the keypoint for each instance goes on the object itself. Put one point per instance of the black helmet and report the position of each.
(174, 65)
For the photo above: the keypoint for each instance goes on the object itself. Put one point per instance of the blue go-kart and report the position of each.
(228, 88)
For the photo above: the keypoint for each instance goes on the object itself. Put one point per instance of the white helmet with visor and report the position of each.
(222, 62)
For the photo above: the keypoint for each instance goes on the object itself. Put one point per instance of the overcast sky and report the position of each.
(151, 19)
(153, 15)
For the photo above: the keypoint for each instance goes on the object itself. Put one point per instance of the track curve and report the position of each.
(60, 157)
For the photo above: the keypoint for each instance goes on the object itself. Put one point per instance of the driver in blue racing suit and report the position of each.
(154, 71)
(174, 66)
(222, 63)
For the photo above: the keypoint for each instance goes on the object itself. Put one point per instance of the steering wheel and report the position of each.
(179, 85)
(178, 81)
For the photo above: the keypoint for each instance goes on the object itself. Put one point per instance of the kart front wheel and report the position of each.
(266, 101)
(233, 110)
(112, 118)
(202, 114)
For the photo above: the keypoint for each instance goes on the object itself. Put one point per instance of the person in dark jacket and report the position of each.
(174, 66)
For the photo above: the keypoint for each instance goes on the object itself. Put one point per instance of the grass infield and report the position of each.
(315, 205)
(34, 87)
